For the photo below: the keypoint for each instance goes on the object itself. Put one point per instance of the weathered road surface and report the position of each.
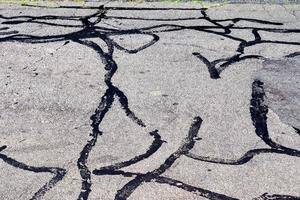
(149, 101)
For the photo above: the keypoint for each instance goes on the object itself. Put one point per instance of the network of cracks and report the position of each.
(91, 28)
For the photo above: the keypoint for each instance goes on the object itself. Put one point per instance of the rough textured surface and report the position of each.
(149, 101)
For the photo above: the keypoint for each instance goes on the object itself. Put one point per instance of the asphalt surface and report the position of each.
(149, 101)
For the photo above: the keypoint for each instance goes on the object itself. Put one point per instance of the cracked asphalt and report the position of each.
(145, 101)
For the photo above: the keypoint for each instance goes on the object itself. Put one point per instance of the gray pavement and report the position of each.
(145, 101)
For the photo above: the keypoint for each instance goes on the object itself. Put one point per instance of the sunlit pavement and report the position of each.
(165, 101)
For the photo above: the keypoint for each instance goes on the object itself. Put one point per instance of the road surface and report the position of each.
(149, 101)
